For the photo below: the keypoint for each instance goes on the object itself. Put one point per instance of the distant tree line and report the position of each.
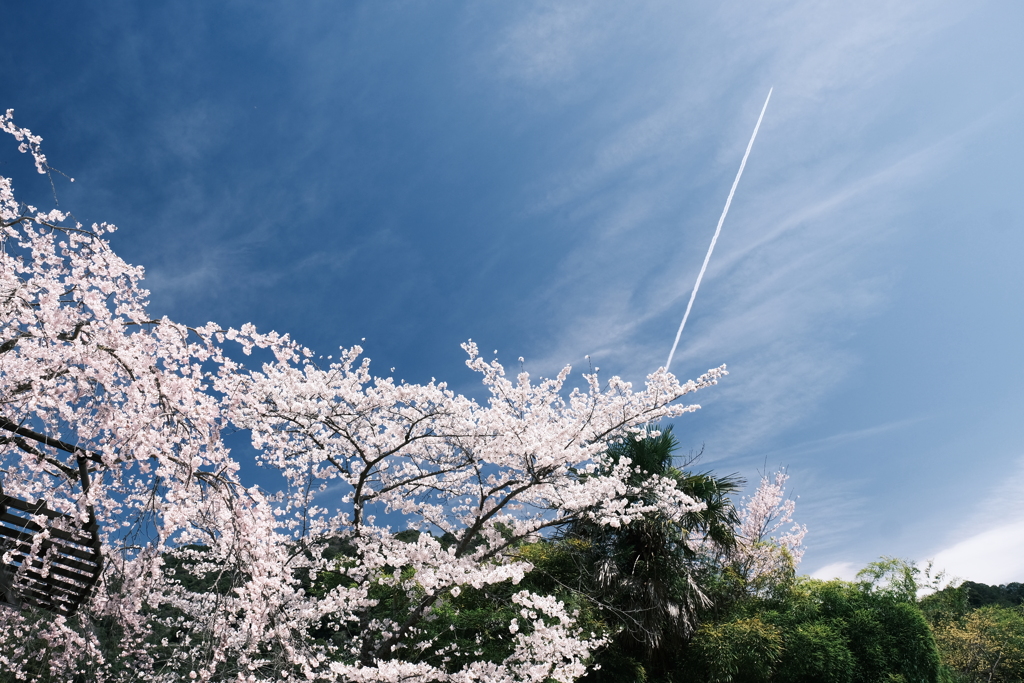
(1005, 595)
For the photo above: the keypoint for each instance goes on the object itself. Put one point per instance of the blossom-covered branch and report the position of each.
(765, 547)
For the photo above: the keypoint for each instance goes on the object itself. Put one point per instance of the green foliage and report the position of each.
(986, 644)
(815, 651)
(886, 633)
(892, 576)
(949, 603)
(828, 631)
(783, 629)
(979, 630)
(891, 637)
(741, 651)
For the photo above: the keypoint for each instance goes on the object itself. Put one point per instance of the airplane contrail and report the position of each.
(721, 219)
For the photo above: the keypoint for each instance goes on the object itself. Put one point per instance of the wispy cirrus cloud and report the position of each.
(812, 249)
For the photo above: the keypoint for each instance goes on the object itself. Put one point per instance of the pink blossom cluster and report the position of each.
(86, 373)
(765, 547)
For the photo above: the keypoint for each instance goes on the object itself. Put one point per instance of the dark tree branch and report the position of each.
(46, 440)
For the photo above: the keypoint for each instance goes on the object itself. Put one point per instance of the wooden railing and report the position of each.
(47, 559)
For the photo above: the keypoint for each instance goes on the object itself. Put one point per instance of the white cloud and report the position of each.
(547, 45)
(847, 571)
(994, 556)
(989, 546)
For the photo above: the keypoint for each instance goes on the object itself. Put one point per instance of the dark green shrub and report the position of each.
(813, 653)
(740, 651)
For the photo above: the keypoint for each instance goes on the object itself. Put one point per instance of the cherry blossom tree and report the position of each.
(766, 549)
(108, 412)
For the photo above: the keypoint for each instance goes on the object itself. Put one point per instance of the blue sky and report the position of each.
(544, 178)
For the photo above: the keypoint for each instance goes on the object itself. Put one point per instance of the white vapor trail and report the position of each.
(721, 219)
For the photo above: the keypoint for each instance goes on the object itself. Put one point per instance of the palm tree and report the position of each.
(647, 575)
